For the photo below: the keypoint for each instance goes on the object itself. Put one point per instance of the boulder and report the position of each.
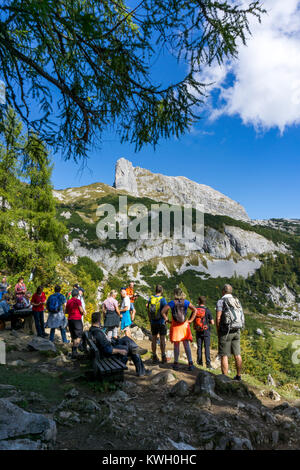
(225, 385)
(82, 405)
(72, 393)
(137, 333)
(202, 402)
(274, 395)
(271, 381)
(163, 378)
(41, 344)
(234, 443)
(118, 396)
(180, 389)
(205, 385)
(15, 422)
(22, 444)
(17, 363)
(7, 387)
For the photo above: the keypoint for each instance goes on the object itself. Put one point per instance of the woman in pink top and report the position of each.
(111, 314)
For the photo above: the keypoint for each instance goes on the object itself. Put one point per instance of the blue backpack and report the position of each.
(53, 303)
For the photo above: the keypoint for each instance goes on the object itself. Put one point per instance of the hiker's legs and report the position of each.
(206, 340)
(154, 340)
(188, 351)
(52, 333)
(224, 365)
(36, 316)
(63, 335)
(163, 345)
(139, 365)
(238, 364)
(176, 351)
(199, 348)
(42, 322)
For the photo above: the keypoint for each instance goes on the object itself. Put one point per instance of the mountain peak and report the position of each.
(174, 190)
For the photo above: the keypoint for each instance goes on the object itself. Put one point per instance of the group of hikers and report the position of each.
(229, 322)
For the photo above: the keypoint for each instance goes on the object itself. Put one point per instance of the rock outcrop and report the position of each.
(18, 424)
(174, 190)
(125, 177)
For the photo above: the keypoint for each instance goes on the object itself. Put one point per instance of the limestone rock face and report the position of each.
(174, 190)
(125, 177)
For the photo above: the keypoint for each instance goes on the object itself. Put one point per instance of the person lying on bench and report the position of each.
(125, 347)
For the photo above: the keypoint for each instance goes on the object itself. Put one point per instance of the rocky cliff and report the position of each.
(174, 190)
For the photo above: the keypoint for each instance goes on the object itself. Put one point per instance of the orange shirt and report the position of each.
(130, 294)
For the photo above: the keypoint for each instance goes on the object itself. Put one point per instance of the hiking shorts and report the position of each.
(229, 344)
(158, 329)
(75, 328)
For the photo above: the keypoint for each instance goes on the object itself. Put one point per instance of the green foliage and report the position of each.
(106, 291)
(147, 270)
(96, 55)
(31, 239)
(89, 267)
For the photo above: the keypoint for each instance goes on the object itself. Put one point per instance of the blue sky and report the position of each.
(261, 172)
(248, 143)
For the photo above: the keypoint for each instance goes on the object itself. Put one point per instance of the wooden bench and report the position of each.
(104, 368)
(15, 315)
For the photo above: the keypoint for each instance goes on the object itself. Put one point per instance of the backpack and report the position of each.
(200, 323)
(154, 307)
(232, 314)
(53, 304)
(178, 312)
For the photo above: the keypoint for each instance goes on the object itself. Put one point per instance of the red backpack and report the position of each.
(200, 323)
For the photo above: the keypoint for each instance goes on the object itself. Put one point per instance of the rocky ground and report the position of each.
(48, 401)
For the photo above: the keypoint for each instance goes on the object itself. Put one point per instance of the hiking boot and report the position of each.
(155, 360)
(238, 378)
(141, 351)
(146, 374)
(200, 363)
(175, 366)
(164, 359)
(191, 366)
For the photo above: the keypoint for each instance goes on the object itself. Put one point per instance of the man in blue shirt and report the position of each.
(5, 308)
(158, 325)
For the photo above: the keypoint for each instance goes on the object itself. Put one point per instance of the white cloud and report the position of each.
(265, 91)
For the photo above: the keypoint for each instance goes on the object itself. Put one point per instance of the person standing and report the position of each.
(202, 323)
(20, 289)
(4, 287)
(125, 312)
(75, 313)
(111, 315)
(56, 305)
(158, 324)
(229, 322)
(180, 330)
(132, 296)
(38, 301)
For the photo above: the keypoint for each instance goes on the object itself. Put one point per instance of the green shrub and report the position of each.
(90, 268)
